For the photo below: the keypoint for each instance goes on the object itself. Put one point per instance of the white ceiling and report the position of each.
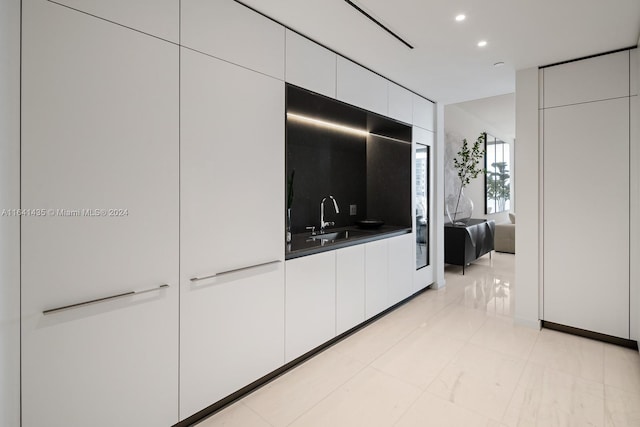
(446, 65)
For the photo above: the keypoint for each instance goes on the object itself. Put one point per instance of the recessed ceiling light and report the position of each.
(482, 43)
(460, 17)
(498, 64)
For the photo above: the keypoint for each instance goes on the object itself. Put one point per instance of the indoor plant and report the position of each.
(460, 208)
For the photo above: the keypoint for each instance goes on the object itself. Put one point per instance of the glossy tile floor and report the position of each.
(452, 357)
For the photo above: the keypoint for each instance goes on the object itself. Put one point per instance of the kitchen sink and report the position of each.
(340, 235)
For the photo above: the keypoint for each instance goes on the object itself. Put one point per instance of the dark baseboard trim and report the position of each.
(244, 391)
(592, 335)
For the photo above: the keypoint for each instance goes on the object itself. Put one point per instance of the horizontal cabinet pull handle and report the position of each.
(93, 301)
(235, 270)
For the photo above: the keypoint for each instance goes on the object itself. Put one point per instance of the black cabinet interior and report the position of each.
(361, 158)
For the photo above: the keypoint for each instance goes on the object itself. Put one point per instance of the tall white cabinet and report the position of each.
(586, 178)
(232, 228)
(100, 158)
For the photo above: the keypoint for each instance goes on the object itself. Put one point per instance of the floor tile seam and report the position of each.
(635, 393)
(335, 389)
(422, 392)
(258, 414)
(515, 390)
(473, 411)
(331, 391)
(560, 371)
(522, 360)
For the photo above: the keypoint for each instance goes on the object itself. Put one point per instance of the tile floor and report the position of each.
(452, 357)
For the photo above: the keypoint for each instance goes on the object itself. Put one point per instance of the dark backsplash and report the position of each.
(370, 172)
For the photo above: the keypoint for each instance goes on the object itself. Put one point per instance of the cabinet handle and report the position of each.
(235, 270)
(93, 301)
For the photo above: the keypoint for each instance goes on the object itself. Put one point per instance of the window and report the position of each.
(497, 179)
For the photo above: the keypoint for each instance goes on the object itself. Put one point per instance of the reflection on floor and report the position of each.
(453, 357)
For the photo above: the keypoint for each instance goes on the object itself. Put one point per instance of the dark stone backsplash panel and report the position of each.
(370, 172)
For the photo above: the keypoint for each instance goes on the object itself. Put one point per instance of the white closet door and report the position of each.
(586, 216)
(99, 131)
(232, 217)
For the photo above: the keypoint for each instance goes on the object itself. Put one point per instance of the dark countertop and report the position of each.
(303, 244)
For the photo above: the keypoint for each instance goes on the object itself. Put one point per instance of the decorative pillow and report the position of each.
(512, 217)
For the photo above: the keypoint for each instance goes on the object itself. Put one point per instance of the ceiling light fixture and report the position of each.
(460, 17)
(482, 43)
(356, 7)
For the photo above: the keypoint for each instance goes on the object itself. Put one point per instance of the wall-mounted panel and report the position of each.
(100, 155)
(230, 31)
(310, 65)
(592, 79)
(160, 18)
(424, 113)
(586, 216)
(400, 103)
(362, 88)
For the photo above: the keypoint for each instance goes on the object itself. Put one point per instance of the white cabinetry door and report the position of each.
(424, 113)
(160, 18)
(401, 267)
(228, 30)
(350, 287)
(362, 88)
(586, 211)
(232, 202)
(310, 65)
(99, 131)
(310, 303)
(400, 103)
(231, 334)
(592, 79)
(376, 277)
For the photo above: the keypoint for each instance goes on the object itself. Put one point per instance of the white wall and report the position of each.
(9, 226)
(439, 199)
(459, 124)
(635, 201)
(527, 187)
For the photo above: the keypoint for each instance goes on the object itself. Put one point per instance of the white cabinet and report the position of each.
(232, 166)
(99, 131)
(232, 199)
(424, 113)
(350, 287)
(231, 334)
(401, 267)
(230, 31)
(160, 18)
(586, 216)
(376, 277)
(310, 65)
(310, 303)
(400, 103)
(592, 79)
(362, 88)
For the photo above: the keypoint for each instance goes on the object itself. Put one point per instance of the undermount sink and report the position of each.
(338, 235)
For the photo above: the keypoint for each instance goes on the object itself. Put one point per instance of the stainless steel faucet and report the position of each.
(323, 223)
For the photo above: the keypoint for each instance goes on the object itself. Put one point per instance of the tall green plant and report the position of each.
(466, 162)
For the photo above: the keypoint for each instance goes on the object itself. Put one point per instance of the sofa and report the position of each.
(505, 237)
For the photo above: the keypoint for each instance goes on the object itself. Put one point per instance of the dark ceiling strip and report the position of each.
(587, 57)
(379, 23)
